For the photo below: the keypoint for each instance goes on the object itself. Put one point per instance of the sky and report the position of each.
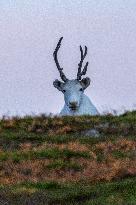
(29, 32)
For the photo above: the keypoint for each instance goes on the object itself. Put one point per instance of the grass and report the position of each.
(49, 160)
(120, 192)
(61, 164)
(48, 153)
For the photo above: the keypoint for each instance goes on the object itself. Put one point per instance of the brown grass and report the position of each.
(121, 144)
(93, 171)
(36, 170)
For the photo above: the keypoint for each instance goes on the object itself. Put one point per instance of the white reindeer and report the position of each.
(76, 102)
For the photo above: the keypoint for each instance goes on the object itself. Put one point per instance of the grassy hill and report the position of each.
(68, 160)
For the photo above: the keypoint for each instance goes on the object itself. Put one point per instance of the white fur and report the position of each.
(86, 108)
(73, 93)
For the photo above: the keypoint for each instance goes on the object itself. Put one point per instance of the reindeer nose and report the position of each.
(73, 104)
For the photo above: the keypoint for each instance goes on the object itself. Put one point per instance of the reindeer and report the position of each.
(76, 102)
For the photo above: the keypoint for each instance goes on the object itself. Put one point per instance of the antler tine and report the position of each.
(85, 69)
(62, 75)
(83, 55)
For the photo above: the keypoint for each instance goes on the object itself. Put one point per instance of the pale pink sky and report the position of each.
(29, 31)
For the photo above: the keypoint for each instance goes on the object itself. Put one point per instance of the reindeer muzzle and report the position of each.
(73, 106)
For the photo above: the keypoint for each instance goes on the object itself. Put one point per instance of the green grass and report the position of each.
(54, 153)
(61, 164)
(120, 154)
(116, 193)
(42, 185)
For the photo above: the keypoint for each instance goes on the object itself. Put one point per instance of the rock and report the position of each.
(103, 125)
(90, 133)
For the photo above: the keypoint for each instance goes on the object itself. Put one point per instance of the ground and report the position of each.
(54, 161)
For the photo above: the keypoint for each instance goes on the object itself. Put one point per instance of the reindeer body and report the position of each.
(76, 102)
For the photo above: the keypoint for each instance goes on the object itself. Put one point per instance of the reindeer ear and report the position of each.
(58, 84)
(85, 82)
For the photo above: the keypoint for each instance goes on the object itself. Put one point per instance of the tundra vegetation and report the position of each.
(51, 160)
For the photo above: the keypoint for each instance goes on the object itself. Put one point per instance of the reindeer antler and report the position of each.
(62, 75)
(83, 55)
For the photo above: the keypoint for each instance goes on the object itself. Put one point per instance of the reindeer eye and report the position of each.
(64, 91)
(81, 89)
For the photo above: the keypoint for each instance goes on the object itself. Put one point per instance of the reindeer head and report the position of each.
(72, 89)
